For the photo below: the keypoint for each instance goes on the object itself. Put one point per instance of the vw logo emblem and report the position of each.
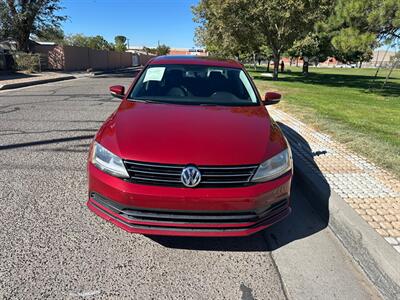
(190, 176)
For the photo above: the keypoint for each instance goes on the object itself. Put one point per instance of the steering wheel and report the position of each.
(178, 91)
(223, 95)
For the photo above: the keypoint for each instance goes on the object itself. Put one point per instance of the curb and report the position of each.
(379, 261)
(68, 77)
(36, 82)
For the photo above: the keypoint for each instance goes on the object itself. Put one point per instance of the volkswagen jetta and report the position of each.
(190, 151)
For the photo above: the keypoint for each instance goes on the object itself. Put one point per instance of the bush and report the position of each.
(27, 62)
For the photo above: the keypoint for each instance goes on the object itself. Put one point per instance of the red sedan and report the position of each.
(191, 151)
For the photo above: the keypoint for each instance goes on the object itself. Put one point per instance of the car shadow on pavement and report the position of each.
(310, 211)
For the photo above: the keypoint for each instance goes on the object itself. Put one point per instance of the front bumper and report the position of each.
(157, 210)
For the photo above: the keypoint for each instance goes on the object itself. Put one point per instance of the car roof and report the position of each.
(195, 60)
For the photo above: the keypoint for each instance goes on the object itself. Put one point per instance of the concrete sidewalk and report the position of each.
(360, 200)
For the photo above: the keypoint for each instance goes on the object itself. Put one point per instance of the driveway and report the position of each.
(52, 246)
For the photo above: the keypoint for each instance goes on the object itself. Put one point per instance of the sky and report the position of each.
(143, 22)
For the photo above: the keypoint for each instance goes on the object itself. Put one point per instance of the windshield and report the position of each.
(194, 84)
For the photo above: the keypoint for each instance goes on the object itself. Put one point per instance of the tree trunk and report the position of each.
(305, 66)
(360, 64)
(23, 42)
(276, 66)
(269, 62)
(297, 61)
(254, 61)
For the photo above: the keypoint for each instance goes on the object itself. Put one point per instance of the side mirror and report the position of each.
(272, 98)
(117, 91)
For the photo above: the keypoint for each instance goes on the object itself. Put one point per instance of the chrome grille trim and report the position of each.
(153, 173)
(170, 175)
(152, 165)
(151, 179)
(225, 175)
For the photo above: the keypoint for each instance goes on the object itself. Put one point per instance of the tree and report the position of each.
(358, 26)
(149, 50)
(221, 31)
(120, 45)
(352, 46)
(293, 53)
(306, 48)
(51, 34)
(20, 19)
(159, 50)
(162, 49)
(5, 21)
(312, 48)
(266, 53)
(231, 26)
(99, 43)
(378, 17)
(78, 40)
(94, 42)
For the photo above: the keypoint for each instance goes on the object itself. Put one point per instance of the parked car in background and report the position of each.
(347, 66)
(191, 151)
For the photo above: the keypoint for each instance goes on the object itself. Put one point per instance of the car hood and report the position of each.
(191, 134)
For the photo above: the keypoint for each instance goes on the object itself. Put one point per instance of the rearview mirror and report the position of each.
(117, 91)
(271, 98)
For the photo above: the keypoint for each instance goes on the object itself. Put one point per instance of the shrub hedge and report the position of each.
(27, 62)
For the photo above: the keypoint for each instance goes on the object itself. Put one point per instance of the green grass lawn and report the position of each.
(346, 104)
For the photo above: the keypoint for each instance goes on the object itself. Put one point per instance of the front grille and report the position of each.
(170, 175)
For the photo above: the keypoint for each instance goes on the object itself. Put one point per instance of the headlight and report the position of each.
(108, 162)
(274, 167)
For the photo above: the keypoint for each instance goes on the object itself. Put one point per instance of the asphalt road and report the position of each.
(52, 246)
